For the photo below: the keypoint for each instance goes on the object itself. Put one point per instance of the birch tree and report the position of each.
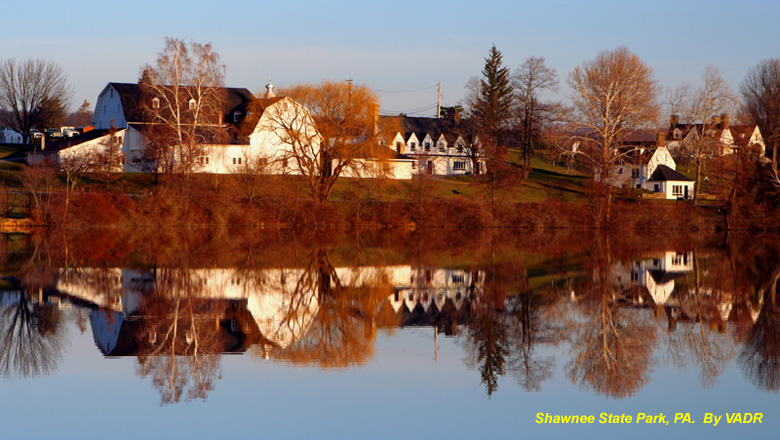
(184, 98)
(614, 95)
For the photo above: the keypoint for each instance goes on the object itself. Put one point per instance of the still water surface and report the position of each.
(386, 337)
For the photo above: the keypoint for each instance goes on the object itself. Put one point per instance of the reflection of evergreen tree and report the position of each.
(31, 337)
(489, 336)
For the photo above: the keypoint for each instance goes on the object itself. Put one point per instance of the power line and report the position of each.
(410, 111)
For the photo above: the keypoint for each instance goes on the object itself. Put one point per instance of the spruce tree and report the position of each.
(493, 105)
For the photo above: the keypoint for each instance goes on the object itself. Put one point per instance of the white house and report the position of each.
(438, 146)
(725, 138)
(671, 183)
(9, 136)
(121, 106)
(652, 169)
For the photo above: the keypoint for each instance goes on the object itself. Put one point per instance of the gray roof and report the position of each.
(420, 126)
(131, 94)
(664, 173)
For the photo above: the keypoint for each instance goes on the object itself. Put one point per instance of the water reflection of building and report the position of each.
(664, 280)
(435, 296)
(656, 275)
(270, 306)
(276, 305)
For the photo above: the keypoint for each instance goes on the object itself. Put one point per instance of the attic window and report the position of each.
(236, 116)
(192, 104)
(427, 146)
(155, 102)
(412, 145)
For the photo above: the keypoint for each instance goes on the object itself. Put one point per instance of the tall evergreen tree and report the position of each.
(491, 106)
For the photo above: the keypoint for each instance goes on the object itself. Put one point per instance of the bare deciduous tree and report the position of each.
(33, 93)
(713, 97)
(614, 95)
(326, 131)
(531, 79)
(761, 102)
(185, 97)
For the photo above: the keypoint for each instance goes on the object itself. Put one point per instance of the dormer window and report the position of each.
(412, 145)
(427, 146)
(236, 116)
(155, 102)
(192, 104)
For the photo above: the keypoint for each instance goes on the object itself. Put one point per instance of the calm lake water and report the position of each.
(206, 334)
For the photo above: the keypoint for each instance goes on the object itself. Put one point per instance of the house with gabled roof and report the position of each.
(121, 104)
(438, 146)
(122, 108)
(671, 183)
(723, 136)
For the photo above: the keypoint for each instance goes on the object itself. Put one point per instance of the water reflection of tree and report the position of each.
(532, 326)
(350, 308)
(33, 337)
(505, 327)
(178, 346)
(612, 346)
(760, 356)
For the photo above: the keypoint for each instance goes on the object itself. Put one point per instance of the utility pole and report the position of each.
(438, 103)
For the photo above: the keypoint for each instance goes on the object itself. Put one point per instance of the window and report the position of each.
(412, 145)
(236, 116)
(427, 146)
(192, 104)
(635, 173)
(459, 165)
(620, 170)
(677, 190)
(398, 145)
(206, 159)
(156, 103)
(457, 279)
(236, 161)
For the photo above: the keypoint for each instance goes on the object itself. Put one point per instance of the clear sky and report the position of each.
(390, 46)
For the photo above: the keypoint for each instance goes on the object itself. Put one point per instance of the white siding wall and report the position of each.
(108, 110)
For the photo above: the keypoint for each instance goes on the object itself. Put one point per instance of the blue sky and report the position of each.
(391, 46)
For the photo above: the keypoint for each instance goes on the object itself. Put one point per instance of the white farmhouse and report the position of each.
(10, 136)
(438, 146)
(122, 107)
